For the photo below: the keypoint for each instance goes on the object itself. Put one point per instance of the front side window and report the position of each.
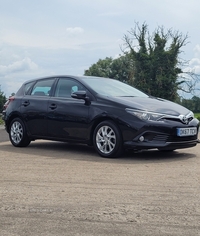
(42, 87)
(65, 87)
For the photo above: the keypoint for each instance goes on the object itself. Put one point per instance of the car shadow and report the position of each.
(61, 150)
(159, 156)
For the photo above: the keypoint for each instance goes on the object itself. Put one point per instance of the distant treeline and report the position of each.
(192, 104)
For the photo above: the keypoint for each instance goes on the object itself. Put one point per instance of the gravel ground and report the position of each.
(52, 188)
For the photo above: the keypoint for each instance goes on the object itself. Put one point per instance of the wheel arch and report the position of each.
(11, 118)
(17, 133)
(98, 121)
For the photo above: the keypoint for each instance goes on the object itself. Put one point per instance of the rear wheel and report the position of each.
(18, 134)
(107, 139)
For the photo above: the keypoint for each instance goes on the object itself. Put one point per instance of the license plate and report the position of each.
(186, 131)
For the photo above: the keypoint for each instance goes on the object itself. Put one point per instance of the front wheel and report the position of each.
(107, 139)
(17, 133)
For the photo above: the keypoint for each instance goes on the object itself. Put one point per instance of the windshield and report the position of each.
(112, 87)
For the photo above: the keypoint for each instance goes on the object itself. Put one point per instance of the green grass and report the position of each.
(197, 115)
(1, 121)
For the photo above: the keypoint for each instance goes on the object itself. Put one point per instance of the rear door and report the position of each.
(34, 107)
(68, 118)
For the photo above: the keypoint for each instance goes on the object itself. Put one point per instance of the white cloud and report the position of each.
(197, 50)
(111, 13)
(63, 38)
(195, 61)
(11, 85)
(194, 64)
(22, 65)
(75, 30)
(39, 38)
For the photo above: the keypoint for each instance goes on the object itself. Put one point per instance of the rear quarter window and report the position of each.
(42, 87)
(27, 87)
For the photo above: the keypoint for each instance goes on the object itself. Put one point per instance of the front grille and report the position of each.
(177, 119)
(163, 138)
(181, 139)
(184, 119)
(153, 137)
(160, 138)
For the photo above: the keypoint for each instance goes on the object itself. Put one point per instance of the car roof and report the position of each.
(80, 78)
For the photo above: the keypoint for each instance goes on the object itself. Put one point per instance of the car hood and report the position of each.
(152, 104)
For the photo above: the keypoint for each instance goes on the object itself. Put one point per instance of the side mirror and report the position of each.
(81, 95)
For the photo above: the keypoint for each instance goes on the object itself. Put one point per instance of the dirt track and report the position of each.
(55, 189)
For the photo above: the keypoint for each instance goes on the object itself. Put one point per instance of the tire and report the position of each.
(18, 134)
(107, 140)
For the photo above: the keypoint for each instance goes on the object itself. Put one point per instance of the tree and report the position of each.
(157, 66)
(151, 63)
(196, 102)
(188, 103)
(192, 104)
(102, 68)
(2, 100)
(121, 68)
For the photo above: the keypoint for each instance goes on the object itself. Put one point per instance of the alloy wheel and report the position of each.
(106, 139)
(16, 132)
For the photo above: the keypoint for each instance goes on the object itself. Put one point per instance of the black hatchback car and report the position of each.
(106, 113)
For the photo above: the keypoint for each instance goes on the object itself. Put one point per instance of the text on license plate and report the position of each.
(186, 131)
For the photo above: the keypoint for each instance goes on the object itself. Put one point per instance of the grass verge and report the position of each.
(197, 115)
(1, 121)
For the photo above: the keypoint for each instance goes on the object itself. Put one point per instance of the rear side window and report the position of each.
(42, 87)
(27, 87)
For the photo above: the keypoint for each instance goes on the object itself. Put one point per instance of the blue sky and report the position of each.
(51, 37)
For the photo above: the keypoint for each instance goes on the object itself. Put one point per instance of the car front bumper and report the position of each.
(160, 146)
(162, 138)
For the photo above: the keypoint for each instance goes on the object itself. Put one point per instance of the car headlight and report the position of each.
(145, 115)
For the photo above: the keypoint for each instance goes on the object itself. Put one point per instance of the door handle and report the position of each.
(53, 106)
(25, 103)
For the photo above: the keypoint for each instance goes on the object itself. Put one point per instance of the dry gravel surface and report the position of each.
(53, 188)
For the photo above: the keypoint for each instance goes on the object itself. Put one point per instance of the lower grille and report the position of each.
(181, 139)
(156, 137)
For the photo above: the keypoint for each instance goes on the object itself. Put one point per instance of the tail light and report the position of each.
(8, 102)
